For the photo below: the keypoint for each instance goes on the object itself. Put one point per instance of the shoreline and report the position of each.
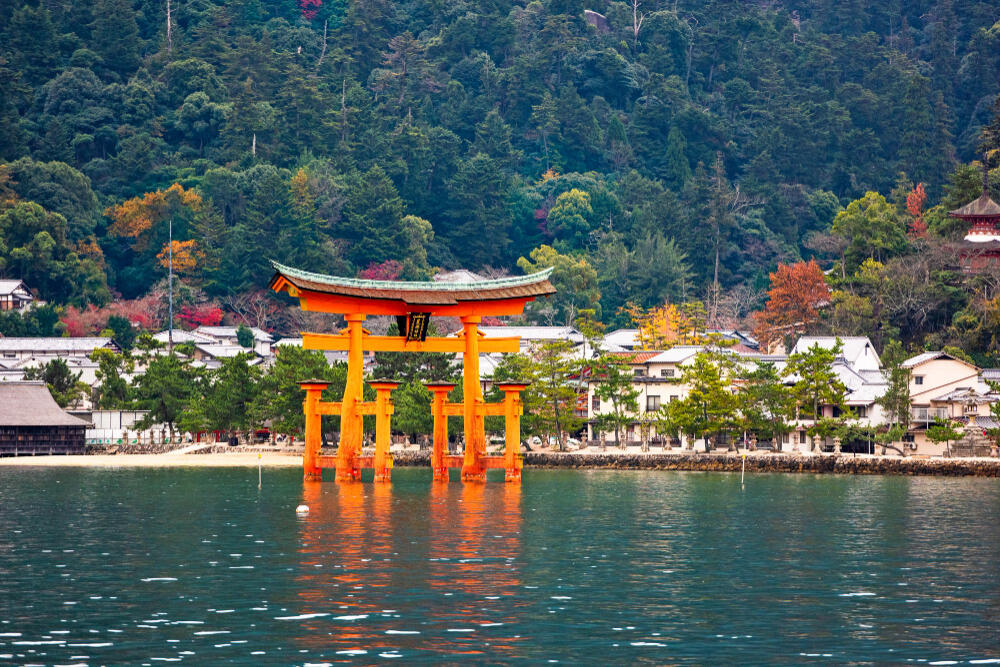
(756, 462)
(767, 462)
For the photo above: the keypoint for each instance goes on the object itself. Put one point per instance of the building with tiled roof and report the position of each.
(14, 295)
(32, 423)
(54, 346)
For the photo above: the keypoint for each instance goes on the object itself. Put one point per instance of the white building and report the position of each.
(857, 351)
(53, 346)
(14, 295)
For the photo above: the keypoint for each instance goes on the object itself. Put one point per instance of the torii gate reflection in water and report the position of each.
(413, 303)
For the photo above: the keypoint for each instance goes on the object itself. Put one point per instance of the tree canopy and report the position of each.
(677, 153)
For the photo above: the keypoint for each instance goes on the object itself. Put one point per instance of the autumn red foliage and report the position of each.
(206, 314)
(915, 207)
(390, 269)
(310, 8)
(84, 322)
(797, 292)
(142, 313)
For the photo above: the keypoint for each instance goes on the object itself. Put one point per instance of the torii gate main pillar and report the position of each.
(351, 420)
(472, 401)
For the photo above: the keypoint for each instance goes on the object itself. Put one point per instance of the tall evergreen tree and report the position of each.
(677, 167)
(116, 35)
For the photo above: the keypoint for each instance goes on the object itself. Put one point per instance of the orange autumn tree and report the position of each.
(187, 256)
(797, 292)
(138, 218)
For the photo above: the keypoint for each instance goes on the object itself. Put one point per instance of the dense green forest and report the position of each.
(666, 150)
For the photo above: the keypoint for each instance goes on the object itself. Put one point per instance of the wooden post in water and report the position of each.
(310, 462)
(383, 415)
(440, 447)
(513, 409)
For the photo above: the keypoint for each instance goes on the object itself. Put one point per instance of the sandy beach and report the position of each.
(168, 460)
(587, 459)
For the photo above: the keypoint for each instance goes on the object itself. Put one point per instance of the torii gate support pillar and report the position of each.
(383, 413)
(314, 436)
(439, 466)
(513, 409)
(473, 469)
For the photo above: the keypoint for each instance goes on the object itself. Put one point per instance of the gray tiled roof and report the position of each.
(31, 404)
(8, 286)
(55, 344)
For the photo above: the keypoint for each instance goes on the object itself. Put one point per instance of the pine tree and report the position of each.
(116, 35)
(677, 169)
(32, 45)
(989, 143)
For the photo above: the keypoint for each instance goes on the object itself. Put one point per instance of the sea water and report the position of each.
(198, 566)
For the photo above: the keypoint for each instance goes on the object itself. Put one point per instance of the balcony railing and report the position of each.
(928, 414)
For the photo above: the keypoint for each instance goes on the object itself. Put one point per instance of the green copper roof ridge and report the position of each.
(411, 286)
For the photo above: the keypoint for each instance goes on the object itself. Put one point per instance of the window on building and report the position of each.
(673, 397)
(652, 403)
(784, 438)
(638, 372)
(861, 411)
(918, 379)
(667, 373)
(802, 437)
(595, 403)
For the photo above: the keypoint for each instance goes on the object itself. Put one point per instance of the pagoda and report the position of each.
(982, 242)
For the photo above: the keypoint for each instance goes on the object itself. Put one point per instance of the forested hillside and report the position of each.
(650, 152)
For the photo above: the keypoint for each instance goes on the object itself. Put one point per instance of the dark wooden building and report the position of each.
(31, 423)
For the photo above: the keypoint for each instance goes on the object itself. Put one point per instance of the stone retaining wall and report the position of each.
(718, 462)
(161, 448)
(725, 462)
(844, 464)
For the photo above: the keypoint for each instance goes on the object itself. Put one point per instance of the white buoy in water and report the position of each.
(302, 509)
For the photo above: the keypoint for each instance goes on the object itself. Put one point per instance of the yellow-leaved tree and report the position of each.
(186, 256)
(137, 218)
(662, 327)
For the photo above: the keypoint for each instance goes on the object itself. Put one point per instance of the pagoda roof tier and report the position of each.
(337, 294)
(984, 207)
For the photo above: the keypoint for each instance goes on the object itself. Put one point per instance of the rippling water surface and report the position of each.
(198, 566)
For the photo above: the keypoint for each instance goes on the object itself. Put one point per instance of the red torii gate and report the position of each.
(413, 303)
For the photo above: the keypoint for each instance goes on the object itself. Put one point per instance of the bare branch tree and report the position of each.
(170, 30)
(637, 19)
(323, 52)
(256, 309)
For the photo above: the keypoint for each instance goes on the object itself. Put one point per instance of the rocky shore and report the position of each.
(755, 462)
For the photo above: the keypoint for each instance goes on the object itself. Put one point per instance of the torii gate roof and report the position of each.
(320, 292)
